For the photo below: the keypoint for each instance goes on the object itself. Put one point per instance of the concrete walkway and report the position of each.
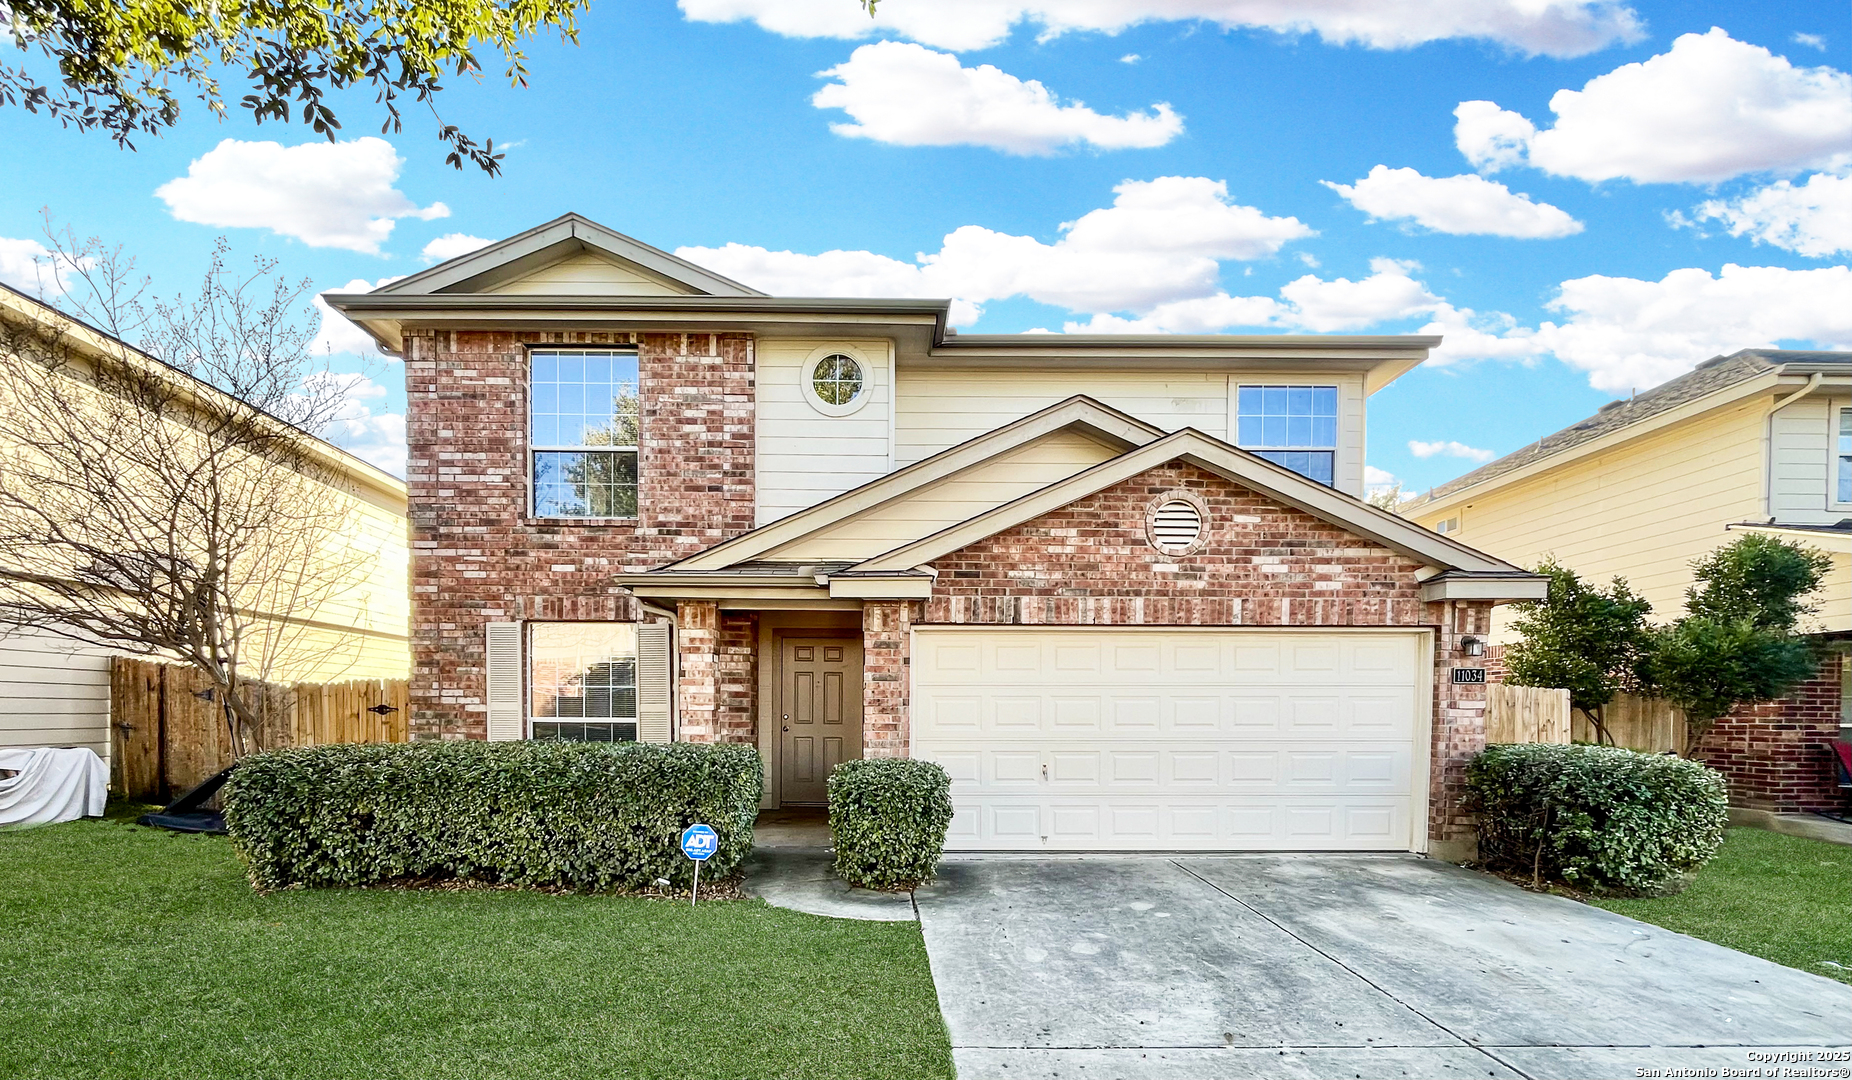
(790, 868)
(1334, 966)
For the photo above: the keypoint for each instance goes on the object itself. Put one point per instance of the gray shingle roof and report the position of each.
(1712, 375)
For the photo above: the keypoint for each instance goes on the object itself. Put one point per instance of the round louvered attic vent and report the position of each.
(1176, 526)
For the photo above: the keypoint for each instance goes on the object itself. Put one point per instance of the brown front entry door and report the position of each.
(820, 714)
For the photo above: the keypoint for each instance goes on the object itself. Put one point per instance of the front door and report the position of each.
(820, 714)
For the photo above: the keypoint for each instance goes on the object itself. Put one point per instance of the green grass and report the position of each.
(1782, 898)
(130, 952)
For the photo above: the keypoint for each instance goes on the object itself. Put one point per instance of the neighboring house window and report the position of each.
(1294, 426)
(1843, 492)
(1448, 525)
(582, 681)
(583, 418)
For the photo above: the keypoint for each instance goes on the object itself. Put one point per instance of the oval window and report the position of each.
(1176, 525)
(837, 379)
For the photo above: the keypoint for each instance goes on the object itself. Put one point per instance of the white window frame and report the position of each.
(1447, 526)
(1839, 419)
(533, 488)
(1337, 426)
(806, 374)
(530, 686)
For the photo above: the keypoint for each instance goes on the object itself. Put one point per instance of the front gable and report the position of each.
(1257, 562)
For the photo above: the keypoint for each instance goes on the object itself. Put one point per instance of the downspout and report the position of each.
(1768, 441)
(675, 657)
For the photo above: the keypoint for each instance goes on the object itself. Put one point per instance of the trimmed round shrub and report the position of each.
(580, 816)
(888, 818)
(1597, 817)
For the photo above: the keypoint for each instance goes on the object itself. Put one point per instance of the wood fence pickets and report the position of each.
(1526, 714)
(1650, 725)
(167, 739)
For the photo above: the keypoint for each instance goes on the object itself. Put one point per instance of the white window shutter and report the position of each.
(653, 682)
(504, 669)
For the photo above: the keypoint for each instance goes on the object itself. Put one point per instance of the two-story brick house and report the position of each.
(1123, 588)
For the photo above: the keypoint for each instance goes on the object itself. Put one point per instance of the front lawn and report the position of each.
(1783, 898)
(130, 952)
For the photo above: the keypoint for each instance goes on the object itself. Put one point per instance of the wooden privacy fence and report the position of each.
(1526, 714)
(167, 737)
(1647, 724)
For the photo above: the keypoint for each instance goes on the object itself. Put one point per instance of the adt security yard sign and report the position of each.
(699, 842)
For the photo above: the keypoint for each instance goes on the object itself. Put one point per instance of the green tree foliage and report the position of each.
(122, 65)
(1582, 639)
(1738, 644)
(1763, 579)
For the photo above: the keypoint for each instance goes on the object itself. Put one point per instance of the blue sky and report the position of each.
(1222, 170)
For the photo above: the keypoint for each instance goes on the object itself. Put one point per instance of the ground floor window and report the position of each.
(582, 681)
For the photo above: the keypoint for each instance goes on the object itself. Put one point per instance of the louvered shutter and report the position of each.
(653, 682)
(504, 669)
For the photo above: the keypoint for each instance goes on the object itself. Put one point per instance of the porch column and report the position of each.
(697, 689)
(885, 632)
(1459, 729)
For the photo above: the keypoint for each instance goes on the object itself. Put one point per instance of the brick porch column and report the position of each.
(885, 626)
(1459, 728)
(697, 689)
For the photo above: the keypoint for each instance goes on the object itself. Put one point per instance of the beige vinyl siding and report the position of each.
(803, 455)
(586, 274)
(53, 693)
(1642, 510)
(1801, 461)
(938, 407)
(957, 498)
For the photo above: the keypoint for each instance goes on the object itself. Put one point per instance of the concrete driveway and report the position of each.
(1284, 966)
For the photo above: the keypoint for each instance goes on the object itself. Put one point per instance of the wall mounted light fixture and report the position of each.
(1472, 646)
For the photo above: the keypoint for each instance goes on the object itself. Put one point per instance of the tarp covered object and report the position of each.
(53, 785)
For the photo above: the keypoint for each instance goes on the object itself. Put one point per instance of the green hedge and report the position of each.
(548, 814)
(888, 818)
(1597, 817)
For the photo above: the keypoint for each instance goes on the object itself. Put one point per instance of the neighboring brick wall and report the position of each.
(886, 632)
(738, 677)
(697, 687)
(477, 557)
(1265, 564)
(1776, 755)
(1090, 563)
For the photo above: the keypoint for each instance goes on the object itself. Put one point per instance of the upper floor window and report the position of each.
(1448, 525)
(1843, 449)
(1294, 426)
(584, 431)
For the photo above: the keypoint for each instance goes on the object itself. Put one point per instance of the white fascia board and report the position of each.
(1213, 455)
(1490, 588)
(1076, 411)
(869, 587)
(1837, 542)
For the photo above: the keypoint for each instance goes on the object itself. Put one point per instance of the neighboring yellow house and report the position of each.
(55, 692)
(1757, 441)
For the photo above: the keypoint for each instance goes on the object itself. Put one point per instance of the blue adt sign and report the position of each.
(699, 842)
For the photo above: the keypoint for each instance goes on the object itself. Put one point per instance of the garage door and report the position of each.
(1115, 740)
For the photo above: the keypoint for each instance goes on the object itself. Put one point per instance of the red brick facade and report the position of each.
(477, 556)
(1777, 755)
(887, 631)
(1091, 563)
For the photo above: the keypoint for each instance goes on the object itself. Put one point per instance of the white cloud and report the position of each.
(1491, 138)
(1161, 240)
(374, 437)
(336, 334)
(21, 265)
(1814, 218)
(912, 96)
(1812, 41)
(1130, 58)
(1707, 109)
(1549, 27)
(451, 245)
(1449, 449)
(1308, 303)
(1376, 481)
(337, 195)
(1466, 205)
(1629, 334)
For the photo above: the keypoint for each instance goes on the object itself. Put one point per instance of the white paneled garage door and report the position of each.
(1170, 740)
